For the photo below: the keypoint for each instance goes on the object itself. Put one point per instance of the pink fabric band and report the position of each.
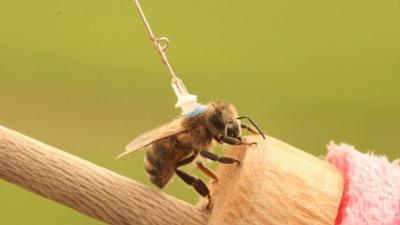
(371, 194)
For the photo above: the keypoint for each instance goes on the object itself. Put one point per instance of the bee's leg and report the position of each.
(206, 171)
(235, 141)
(214, 157)
(196, 183)
(251, 130)
(254, 124)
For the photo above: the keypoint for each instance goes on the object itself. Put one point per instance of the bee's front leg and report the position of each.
(235, 141)
(214, 157)
(251, 130)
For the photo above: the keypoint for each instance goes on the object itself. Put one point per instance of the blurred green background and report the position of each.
(83, 76)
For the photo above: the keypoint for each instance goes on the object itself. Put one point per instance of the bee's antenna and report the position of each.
(187, 102)
(254, 124)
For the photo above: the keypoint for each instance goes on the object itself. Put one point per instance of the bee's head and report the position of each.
(222, 120)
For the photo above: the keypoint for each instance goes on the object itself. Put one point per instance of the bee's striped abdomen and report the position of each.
(161, 159)
(158, 168)
(163, 156)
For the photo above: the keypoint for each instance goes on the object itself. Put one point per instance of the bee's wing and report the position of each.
(164, 131)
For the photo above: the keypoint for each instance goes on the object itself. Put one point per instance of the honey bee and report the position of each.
(182, 140)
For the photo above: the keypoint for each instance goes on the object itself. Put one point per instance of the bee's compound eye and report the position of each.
(217, 121)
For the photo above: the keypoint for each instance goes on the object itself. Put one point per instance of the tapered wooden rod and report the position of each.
(275, 184)
(87, 188)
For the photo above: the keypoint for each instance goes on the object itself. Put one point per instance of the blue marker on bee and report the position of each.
(197, 111)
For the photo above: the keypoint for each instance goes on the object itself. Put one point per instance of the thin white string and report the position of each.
(161, 48)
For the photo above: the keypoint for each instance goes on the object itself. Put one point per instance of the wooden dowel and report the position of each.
(276, 184)
(87, 188)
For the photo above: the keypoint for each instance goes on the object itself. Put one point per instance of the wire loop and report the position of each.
(163, 42)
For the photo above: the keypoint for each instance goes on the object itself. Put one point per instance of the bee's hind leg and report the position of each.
(196, 183)
(206, 171)
(214, 157)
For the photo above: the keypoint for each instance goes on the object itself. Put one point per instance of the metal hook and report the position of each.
(163, 42)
